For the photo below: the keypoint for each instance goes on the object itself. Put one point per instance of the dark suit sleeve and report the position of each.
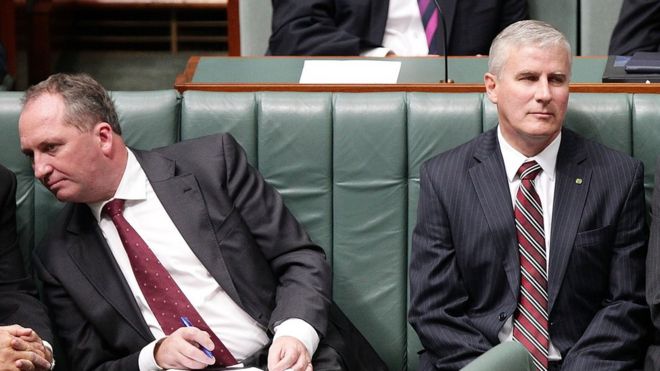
(437, 294)
(638, 28)
(302, 274)
(616, 337)
(19, 303)
(312, 27)
(653, 275)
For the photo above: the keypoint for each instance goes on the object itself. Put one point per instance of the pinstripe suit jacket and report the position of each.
(464, 271)
(653, 277)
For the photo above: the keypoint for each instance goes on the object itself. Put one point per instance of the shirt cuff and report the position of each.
(50, 348)
(376, 52)
(300, 330)
(146, 359)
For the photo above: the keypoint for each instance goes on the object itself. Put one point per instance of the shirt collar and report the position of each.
(133, 186)
(547, 158)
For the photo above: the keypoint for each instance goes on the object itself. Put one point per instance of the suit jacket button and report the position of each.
(502, 316)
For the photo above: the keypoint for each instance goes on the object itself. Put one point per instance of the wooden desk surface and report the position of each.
(281, 74)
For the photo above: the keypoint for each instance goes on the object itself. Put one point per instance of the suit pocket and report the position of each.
(587, 275)
(600, 237)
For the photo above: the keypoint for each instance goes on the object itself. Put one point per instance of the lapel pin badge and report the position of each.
(578, 181)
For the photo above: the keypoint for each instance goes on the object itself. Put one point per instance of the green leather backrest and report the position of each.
(646, 136)
(347, 166)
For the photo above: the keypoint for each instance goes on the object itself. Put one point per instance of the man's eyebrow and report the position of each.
(527, 73)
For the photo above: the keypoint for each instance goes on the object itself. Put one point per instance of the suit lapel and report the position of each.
(93, 258)
(572, 182)
(181, 192)
(489, 180)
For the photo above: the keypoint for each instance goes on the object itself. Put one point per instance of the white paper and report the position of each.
(350, 72)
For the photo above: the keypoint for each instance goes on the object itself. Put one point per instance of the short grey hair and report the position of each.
(523, 33)
(86, 102)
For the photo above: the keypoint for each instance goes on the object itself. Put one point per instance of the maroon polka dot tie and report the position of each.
(165, 299)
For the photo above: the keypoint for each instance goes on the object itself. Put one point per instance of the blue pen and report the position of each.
(186, 322)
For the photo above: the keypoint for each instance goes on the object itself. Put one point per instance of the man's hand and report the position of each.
(287, 352)
(180, 349)
(22, 349)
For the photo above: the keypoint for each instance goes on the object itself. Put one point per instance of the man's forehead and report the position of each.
(535, 58)
(45, 108)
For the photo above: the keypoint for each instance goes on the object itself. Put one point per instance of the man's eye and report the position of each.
(557, 80)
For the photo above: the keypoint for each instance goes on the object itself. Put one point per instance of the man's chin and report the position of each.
(62, 196)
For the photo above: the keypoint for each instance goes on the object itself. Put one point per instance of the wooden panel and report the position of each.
(233, 28)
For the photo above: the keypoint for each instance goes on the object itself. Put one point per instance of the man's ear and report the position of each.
(490, 81)
(104, 134)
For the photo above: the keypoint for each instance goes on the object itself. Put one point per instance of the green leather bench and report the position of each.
(347, 166)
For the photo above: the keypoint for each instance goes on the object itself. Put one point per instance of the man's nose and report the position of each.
(41, 167)
(543, 93)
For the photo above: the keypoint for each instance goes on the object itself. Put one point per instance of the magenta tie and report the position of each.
(429, 13)
(165, 299)
(530, 325)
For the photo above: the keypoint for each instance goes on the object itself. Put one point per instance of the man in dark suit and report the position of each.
(530, 232)
(23, 318)
(221, 249)
(380, 27)
(638, 28)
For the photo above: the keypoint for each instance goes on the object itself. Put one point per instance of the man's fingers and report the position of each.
(286, 361)
(181, 349)
(17, 330)
(19, 344)
(288, 353)
(39, 361)
(24, 365)
(301, 363)
(29, 361)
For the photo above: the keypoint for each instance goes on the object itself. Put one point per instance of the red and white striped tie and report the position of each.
(530, 325)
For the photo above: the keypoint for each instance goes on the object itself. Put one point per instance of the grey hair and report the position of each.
(523, 33)
(86, 101)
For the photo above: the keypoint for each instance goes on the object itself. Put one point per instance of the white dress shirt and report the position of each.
(545, 187)
(404, 32)
(239, 332)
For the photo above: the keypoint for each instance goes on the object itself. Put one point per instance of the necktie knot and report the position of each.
(529, 170)
(114, 207)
